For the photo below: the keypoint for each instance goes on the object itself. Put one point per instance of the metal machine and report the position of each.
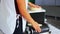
(38, 16)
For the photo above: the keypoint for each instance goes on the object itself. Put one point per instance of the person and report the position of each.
(8, 16)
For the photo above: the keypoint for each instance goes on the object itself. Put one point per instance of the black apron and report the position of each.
(18, 28)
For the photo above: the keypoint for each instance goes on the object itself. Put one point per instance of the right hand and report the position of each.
(36, 27)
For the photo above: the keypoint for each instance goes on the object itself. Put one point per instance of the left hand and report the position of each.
(33, 5)
(36, 6)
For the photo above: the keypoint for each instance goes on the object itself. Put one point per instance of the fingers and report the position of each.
(35, 6)
(38, 29)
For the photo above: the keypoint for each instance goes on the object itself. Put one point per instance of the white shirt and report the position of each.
(8, 16)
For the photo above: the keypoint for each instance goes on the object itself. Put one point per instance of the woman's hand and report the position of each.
(36, 27)
(33, 5)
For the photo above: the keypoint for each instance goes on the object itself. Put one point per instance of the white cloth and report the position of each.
(8, 16)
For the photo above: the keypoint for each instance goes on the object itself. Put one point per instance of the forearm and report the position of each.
(23, 11)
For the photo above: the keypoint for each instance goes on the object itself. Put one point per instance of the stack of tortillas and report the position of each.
(31, 25)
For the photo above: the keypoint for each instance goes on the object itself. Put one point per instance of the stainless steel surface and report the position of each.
(45, 33)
